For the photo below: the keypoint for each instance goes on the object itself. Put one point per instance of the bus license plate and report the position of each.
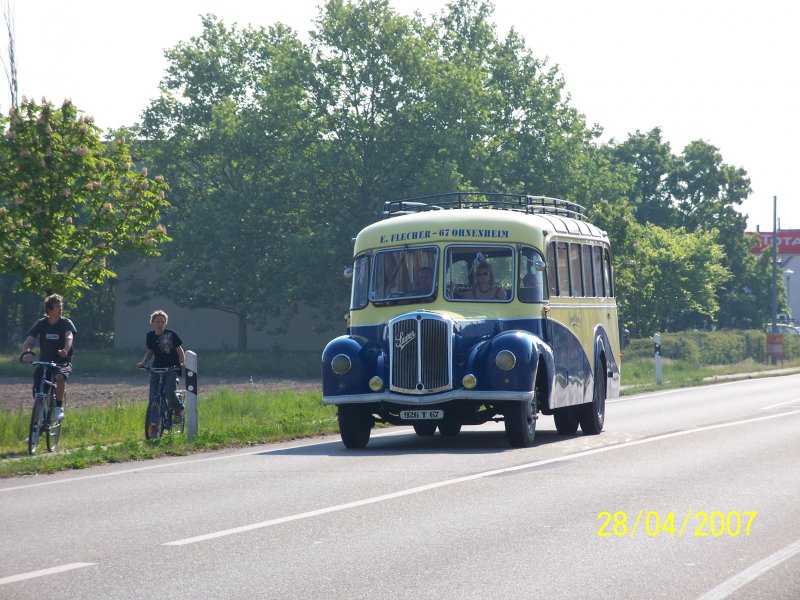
(418, 415)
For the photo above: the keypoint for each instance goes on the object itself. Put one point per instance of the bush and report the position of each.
(713, 347)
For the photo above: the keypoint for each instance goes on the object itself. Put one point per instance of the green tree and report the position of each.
(233, 129)
(706, 190)
(670, 280)
(652, 163)
(68, 201)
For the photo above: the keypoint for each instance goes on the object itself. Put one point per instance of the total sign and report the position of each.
(788, 241)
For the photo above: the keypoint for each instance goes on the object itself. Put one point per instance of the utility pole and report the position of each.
(774, 270)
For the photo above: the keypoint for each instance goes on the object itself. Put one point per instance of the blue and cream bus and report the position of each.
(473, 307)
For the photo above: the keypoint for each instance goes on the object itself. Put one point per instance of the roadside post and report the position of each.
(657, 340)
(191, 394)
(775, 346)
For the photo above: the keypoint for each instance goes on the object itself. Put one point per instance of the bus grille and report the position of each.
(420, 348)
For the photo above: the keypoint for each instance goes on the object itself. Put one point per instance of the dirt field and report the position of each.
(15, 392)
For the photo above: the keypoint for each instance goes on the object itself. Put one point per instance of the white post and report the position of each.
(191, 394)
(657, 339)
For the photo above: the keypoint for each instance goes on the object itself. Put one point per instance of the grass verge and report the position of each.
(639, 374)
(94, 436)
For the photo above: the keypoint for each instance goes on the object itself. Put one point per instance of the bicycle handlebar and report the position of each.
(160, 369)
(44, 362)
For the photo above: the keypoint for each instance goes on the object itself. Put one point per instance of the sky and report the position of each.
(724, 71)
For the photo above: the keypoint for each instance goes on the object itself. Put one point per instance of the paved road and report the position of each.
(713, 471)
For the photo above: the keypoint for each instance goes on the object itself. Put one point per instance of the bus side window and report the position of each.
(575, 277)
(562, 260)
(586, 263)
(360, 285)
(607, 273)
(597, 263)
(552, 271)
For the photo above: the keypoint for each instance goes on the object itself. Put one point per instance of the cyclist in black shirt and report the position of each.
(166, 346)
(56, 336)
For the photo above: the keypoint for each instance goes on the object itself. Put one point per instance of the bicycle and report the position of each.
(159, 415)
(44, 405)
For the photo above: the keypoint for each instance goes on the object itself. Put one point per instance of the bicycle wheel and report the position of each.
(153, 424)
(37, 423)
(52, 428)
(177, 425)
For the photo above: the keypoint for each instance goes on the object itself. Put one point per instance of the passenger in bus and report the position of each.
(485, 288)
(423, 281)
(530, 290)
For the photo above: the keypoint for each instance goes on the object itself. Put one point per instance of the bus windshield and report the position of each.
(404, 273)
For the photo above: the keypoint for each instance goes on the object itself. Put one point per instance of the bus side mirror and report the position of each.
(539, 265)
(348, 273)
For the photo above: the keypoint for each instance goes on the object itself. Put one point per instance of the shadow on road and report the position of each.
(387, 442)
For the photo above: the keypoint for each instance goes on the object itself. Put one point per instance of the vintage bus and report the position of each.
(473, 307)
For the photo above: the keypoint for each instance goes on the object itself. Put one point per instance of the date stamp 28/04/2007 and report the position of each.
(694, 523)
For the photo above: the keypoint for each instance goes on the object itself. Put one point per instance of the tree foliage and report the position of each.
(670, 280)
(278, 151)
(697, 192)
(233, 129)
(68, 201)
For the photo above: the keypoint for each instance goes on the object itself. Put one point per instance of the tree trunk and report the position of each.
(242, 332)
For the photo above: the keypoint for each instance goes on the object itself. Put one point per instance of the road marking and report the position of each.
(779, 404)
(726, 588)
(43, 572)
(402, 431)
(457, 480)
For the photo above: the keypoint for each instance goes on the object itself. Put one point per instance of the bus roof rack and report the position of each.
(516, 202)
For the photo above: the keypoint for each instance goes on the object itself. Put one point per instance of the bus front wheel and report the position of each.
(355, 425)
(520, 423)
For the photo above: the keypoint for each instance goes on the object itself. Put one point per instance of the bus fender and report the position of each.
(347, 364)
(529, 350)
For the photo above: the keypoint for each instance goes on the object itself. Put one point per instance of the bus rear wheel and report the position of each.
(566, 420)
(592, 415)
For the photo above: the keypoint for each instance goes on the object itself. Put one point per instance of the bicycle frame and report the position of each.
(159, 412)
(44, 400)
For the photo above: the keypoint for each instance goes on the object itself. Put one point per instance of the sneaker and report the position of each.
(58, 414)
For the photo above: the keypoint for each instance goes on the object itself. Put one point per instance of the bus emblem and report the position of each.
(404, 340)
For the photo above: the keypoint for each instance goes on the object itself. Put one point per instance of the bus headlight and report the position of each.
(341, 364)
(376, 384)
(505, 360)
(469, 381)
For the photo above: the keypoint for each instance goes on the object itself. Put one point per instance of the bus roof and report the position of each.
(456, 218)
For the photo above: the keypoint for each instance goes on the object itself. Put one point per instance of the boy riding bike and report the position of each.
(56, 336)
(166, 346)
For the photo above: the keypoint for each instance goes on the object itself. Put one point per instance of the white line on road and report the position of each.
(726, 588)
(43, 572)
(779, 404)
(448, 482)
(184, 462)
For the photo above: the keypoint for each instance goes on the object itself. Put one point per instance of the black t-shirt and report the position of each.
(163, 348)
(52, 338)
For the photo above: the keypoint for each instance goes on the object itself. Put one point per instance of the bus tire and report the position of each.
(355, 425)
(592, 415)
(566, 420)
(450, 428)
(426, 429)
(520, 423)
